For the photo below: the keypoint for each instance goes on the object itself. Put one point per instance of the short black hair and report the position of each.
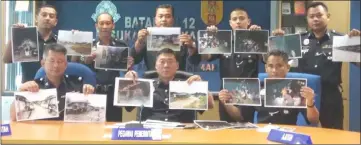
(54, 47)
(166, 51)
(102, 14)
(279, 53)
(315, 4)
(46, 6)
(165, 6)
(238, 9)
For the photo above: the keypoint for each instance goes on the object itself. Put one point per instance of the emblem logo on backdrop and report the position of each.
(211, 12)
(108, 7)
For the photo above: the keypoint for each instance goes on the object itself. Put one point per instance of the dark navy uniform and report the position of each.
(317, 59)
(29, 69)
(106, 82)
(69, 83)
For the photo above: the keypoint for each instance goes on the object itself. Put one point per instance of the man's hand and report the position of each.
(212, 28)
(194, 78)
(142, 34)
(278, 32)
(354, 32)
(88, 89)
(19, 25)
(130, 61)
(255, 27)
(186, 39)
(224, 96)
(131, 75)
(31, 86)
(308, 94)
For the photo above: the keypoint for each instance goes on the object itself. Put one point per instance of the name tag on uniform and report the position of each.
(5, 130)
(136, 134)
(288, 137)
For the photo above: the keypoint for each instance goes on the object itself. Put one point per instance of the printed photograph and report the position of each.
(34, 106)
(219, 42)
(213, 124)
(184, 96)
(25, 44)
(284, 92)
(77, 43)
(244, 91)
(346, 49)
(111, 58)
(291, 44)
(133, 93)
(160, 38)
(255, 42)
(81, 108)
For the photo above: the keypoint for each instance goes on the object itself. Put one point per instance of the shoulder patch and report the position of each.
(334, 32)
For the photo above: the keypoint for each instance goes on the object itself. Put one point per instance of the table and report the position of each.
(58, 132)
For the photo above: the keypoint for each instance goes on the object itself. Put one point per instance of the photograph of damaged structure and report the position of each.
(111, 58)
(214, 42)
(77, 43)
(160, 42)
(255, 41)
(133, 93)
(244, 91)
(34, 106)
(81, 108)
(184, 96)
(25, 44)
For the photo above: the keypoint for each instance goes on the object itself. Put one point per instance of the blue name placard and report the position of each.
(136, 134)
(288, 137)
(5, 130)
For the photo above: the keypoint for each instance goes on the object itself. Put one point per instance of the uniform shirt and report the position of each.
(69, 83)
(161, 111)
(317, 58)
(287, 116)
(150, 58)
(29, 69)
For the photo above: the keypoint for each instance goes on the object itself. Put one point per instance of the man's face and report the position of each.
(164, 17)
(46, 19)
(239, 20)
(276, 67)
(317, 18)
(166, 65)
(105, 25)
(54, 64)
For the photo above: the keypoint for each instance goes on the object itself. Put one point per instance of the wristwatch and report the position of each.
(313, 104)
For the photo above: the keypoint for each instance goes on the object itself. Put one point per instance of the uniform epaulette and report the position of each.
(334, 32)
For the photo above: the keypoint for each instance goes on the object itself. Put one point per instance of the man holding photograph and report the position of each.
(236, 65)
(276, 67)
(317, 59)
(164, 17)
(166, 67)
(55, 63)
(46, 20)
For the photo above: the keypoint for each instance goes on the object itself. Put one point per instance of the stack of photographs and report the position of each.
(133, 93)
(244, 91)
(160, 38)
(111, 58)
(77, 43)
(34, 106)
(291, 44)
(184, 96)
(81, 108)
(251, 41)
(212, 124)
(219, 42)
(25, 44)
(284, 92)
(346, 49)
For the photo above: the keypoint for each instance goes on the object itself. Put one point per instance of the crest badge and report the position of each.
(212, 12)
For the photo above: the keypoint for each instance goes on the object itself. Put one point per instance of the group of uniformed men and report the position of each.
(166, 63)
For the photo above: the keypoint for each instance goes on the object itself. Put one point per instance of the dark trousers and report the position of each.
(113, 113)
(331, 111)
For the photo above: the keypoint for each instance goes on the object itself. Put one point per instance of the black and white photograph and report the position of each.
(244, 91)
(284, 92)
(184, 96)
(36, 105)
(111, 58)
(77, 43)
(219, 42)
(290, 43)
(346, 49)
(160, 38)
(133, 93)
(251, 41)
(25, 44)
(85, 108)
